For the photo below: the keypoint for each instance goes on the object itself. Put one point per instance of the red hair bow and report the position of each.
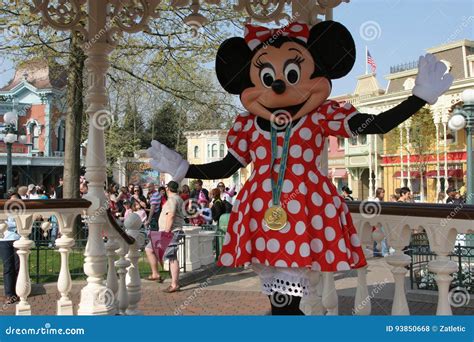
(256, 35)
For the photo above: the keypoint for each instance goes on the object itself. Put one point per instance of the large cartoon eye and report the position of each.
(292, 73)
(267, 75)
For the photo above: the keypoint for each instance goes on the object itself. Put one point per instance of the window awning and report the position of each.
(453, 173)
(413, 174)
(338, 173)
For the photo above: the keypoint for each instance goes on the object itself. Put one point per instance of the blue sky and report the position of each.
(396, 31)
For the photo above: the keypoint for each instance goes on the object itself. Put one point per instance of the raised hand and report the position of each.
(167, 161)
(432, 80)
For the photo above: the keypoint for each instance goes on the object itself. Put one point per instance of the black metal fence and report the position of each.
(421, 254)
(45, 260)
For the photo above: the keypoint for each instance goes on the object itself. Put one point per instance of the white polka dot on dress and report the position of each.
(342, 246)
(238, 126)
(355, 258)
(226, 238)
(295, 151)
(319, 140)
(254, 136)
(329, 233)
(297, 169)
(343, 266)
(227, 259)
(253, 225)
(290, 247)
(315, 266)
(303, 189)
(296, 28)
(257, 204)
(317, 222)
(316, 245)
(244, 197)
(316, 199)
(248, 247)
(273, 245)
(263, 169)
(281, 263)
(267, 185)
(326, 188)
(247, 209)
(355, 240)
(305, 133)
(300, 228)
(334, 125)
(313, 177)
(304, 249)
(243, 145)
(330, 256)
(253, 188)
(308, 155)
(260, 244)
(339, 116)
(261, 152)
(287, 186)
(337, 201)
(248, 125)
(294, 207)
(330, 210)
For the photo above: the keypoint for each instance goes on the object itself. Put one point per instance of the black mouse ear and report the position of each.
(233, 65)
(333, 49)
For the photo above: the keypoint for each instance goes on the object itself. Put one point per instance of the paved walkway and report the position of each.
(236, 292)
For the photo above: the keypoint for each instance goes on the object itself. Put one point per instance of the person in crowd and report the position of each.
(32, 192)
(127, 209)
(203, 214)
(59, 189)
(453, 197)
(112, 202)
(23, 192)
(185, 193)
(172, 220)
(139, 210)
(41, 192)
(3, 184)
(346, 193)
(121, 198)
(405, 195)
(224, 195)
(441, 197)
(155, 198)
(83, 188)
(130, 190)
(379, 197)
(218, 207)
(198, 189)
(138, 197)
(11, 262)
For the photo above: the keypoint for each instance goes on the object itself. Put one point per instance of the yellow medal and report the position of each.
(275, 218)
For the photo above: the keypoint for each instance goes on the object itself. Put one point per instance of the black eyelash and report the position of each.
(259, 64)
(298, 60)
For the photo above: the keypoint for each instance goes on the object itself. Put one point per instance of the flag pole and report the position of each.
(366, 60)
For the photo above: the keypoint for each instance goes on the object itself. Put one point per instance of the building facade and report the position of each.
(208, 146)
(37, 94)
(391, 162)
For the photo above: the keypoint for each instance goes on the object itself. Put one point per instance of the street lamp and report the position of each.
(464, 118)
(11, 136)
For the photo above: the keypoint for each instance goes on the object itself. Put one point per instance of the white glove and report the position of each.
(167, 161)
(431, 81)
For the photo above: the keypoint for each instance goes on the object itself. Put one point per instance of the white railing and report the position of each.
(442, 223)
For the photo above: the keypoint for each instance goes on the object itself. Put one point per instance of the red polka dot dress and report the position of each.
(319, 235)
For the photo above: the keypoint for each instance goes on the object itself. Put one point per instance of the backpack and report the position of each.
(227, 206)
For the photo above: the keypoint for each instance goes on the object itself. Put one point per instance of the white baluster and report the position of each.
(362, 303)
(111, 247)
(65, 243)
(193, 261)
(132, 225)
(329, 298)
(312, 304)
(121, 264)
(23, 283)
(378, 236)
(398, 238)
(442, 243)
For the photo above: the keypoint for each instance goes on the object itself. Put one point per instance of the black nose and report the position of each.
(278, 86)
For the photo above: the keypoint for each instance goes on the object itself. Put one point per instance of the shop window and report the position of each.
(221, 151)
(214, 150)
(196, 151)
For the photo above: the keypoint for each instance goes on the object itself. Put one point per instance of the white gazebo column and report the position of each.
(445, 119)
(437, 120)
(132, 225)
(371, 184)
(376, 160)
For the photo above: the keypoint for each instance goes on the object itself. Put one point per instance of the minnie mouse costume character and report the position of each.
(288, 220)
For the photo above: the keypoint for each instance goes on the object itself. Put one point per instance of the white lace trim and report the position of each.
(290, 281)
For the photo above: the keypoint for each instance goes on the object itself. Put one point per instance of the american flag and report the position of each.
(371, 62)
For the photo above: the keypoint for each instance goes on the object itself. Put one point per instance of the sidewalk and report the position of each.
(236, 292)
